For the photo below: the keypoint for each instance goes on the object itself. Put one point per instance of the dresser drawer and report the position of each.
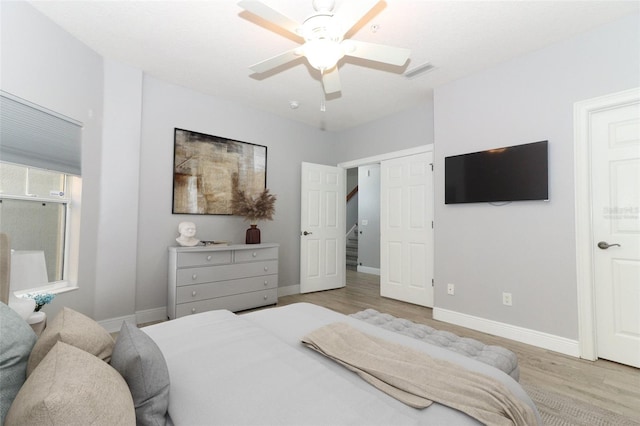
(257, 254)
(233, 303)
(235, 277)
(225, 272)
(202, 258)
(193, 293)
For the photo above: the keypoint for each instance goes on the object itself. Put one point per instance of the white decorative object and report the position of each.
(187, 232)
(37, 321)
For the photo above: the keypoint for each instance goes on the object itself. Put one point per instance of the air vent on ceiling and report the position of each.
(419, 70)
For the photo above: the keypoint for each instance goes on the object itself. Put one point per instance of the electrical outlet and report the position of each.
(451, 290)
(506, 299)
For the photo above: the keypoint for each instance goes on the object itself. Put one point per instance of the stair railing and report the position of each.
(353, 192)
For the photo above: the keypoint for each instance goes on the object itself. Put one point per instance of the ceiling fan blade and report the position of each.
(276, 61)
(331, 81)
(376, 52)
(265, 12)
(351, 12)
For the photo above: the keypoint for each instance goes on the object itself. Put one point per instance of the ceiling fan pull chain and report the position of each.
(323, 106)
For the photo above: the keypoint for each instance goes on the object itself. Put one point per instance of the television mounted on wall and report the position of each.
(512, 173)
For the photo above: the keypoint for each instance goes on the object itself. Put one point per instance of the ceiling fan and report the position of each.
(323, 35)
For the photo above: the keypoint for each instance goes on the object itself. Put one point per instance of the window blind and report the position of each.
(37, 137)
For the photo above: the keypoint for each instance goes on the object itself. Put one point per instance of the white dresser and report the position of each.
(234, 277)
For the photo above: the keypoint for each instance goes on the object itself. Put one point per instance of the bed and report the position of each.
(252, 369)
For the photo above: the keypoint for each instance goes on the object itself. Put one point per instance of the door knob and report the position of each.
(307, 233)
(604, 245)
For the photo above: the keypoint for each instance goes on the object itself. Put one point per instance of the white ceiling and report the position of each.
(209, 45)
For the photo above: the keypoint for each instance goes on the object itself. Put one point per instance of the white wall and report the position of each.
(166, 107)
(369, 218)
(47, 66)
(407, 129)
(526, 248)
(118, 216)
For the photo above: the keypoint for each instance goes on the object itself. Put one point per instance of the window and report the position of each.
(35, 211)
(40, 188)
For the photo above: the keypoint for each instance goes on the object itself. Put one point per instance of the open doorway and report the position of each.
(363, 219)
(404, 237)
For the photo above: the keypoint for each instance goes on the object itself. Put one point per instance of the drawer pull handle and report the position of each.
(266, 268)
(265, 297)
(209, 257)
(193, 310)
(266, 282)
(194, 276)
(254, 254)
(193, 293)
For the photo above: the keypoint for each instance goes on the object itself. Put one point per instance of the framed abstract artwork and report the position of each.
(206, 169)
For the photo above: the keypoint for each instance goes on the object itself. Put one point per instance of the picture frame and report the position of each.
(206, 168)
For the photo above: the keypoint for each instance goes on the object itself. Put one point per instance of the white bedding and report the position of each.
(252, 369)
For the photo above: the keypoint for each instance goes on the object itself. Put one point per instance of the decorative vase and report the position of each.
(37, 321)
(253, 235)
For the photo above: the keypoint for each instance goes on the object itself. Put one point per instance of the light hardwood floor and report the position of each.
(602, 383)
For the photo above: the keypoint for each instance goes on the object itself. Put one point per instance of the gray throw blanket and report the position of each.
(417, 379)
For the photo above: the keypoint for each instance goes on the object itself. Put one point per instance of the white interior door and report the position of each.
(406, 232)
(322, 221)
(615, 156)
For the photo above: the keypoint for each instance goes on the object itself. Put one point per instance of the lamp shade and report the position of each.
(28, 270)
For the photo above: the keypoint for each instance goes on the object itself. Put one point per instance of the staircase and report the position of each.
(352, 249)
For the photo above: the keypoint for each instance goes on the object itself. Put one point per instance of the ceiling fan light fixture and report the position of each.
(323, 54)
(319, 26)
(323, 5)
(324, 44)
(348, 47)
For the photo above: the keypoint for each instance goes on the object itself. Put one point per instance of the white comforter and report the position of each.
(252, 369)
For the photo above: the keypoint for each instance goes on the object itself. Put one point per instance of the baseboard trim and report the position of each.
(288, 290)
(113, 325)
(151, 315)
(524, 335)
(368, 270)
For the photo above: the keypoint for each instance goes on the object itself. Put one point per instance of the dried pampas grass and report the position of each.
(253, 209)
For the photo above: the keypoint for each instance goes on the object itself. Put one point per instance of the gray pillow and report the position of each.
(137, 357)
(17, 340)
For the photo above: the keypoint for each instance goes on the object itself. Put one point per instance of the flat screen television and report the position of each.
(513, 173)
